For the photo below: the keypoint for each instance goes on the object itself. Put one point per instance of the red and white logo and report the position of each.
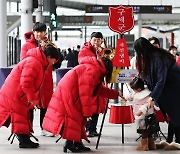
(121, 19)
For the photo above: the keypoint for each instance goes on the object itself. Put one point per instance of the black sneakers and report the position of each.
(92, 134)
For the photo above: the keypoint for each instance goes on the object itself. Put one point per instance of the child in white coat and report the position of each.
(139, 98)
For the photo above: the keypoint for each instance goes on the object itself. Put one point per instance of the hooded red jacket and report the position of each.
(31, 42)
(47, 86)
(71, 102)
(99, 103)
(22, 85)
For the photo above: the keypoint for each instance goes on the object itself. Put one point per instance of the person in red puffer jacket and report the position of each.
(34, 39)
(71, 103)
(21, 91)
(93, 49)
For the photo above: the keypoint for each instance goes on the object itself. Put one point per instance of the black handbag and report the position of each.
(152, 125)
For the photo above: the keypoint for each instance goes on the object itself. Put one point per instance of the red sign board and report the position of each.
(121, 58)
(121, 19)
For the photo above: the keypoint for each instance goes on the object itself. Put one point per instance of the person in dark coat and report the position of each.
(155, 42)
(70, 58)
(161, 73)
(76, 52)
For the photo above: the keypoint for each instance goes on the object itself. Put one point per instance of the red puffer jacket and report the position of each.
(47, 86)
(99, 103)
(71, 102)
(22, 85)
(87, 50)
(31, 42)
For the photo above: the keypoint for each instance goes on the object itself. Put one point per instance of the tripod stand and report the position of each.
(155, 135)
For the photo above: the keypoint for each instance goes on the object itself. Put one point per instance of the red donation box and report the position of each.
(121, 114)
(121, 19)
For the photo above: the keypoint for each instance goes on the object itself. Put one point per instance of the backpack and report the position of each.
(152, 125)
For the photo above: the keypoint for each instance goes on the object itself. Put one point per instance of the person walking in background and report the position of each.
(70, 58)
(139, 98)
(173, 51)
(35, 38)
(64, 53)
(69, 109)
(93, 49)
(76, 52)
(162, 75)
(21, 92)
(154, 41)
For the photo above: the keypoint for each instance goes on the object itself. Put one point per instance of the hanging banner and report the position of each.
(121, 57)
(121, 19)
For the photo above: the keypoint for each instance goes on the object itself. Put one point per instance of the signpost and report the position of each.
(53, 20)
(121, 20)
(154, 9)
(123, 75)
(121, 57)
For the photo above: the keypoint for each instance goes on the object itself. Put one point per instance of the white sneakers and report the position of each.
(46, 133)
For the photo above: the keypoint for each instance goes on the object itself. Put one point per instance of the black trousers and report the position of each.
(170, 132)
(92, 124)
(145, 134)
(42, 114)
(177, 134)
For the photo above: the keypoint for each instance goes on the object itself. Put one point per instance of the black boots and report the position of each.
(69, 146)
(81, 146)
(75, 147)
(25, 142)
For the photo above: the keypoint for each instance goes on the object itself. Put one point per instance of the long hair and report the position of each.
(145, 53)
(109, 68)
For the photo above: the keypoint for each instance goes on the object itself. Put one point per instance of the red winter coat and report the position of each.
(99, 103)
(87, 50)
(31, 42)
(22, 85)
(71, 102)
(47, 86)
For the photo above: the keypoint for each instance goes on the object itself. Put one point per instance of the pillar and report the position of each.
(3, 33)
(139, 25)
(38, 11)
(26, 18)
